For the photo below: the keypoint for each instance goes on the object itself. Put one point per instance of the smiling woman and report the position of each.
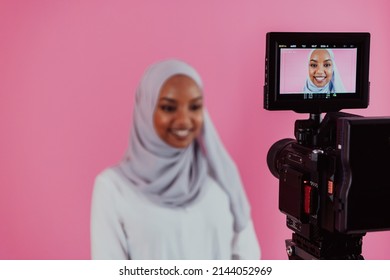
(320, 68)
(178, 117)
(177, 194)
(323, 74)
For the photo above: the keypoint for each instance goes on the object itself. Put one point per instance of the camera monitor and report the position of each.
(316, 72)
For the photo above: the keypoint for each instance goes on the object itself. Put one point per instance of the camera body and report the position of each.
(338, 183)
(333, 182)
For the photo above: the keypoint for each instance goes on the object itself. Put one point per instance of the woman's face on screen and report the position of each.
(320, 68)
(178, 116)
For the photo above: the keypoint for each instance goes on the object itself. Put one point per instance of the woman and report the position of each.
(177, 194)
(323, 74)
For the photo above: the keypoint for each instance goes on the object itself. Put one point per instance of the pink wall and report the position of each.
(68, 71)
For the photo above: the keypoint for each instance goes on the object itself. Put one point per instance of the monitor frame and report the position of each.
(275, 100)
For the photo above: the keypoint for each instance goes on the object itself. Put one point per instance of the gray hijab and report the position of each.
(175, 177)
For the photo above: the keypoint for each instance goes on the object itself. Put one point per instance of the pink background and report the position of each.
(294, 69)
(68, 72)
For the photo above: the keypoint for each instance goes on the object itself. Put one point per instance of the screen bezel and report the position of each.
(274, 100)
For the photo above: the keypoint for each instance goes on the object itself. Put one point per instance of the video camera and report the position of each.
(333, 182)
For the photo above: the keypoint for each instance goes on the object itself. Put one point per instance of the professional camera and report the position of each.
(333, 177)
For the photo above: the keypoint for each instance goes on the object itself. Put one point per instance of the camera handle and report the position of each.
(306, 131)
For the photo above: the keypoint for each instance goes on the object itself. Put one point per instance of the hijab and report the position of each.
(175, 177)
(335, 85)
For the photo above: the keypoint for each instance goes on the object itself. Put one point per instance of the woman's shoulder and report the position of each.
(109, 180)
(107, 175)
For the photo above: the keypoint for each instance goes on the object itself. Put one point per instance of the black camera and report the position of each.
(333, 182)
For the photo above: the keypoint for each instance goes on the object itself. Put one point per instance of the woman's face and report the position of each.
(320, 68)
(178, 116)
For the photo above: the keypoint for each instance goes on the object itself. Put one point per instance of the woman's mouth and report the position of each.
(181, 133)
(319, 78)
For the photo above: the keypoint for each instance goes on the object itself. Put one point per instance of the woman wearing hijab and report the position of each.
(323, 73)
(177, 194)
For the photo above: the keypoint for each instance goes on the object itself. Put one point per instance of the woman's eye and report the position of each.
(327, 65)
(168, 108)
(312, 65)
(195, 107)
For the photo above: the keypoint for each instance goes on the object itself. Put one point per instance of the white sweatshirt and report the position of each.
(127, 225)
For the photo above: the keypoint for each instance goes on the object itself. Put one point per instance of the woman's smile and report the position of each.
(180, 133)
(319, 78)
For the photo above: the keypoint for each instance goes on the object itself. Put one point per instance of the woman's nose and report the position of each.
(320, 70)
(183, 118)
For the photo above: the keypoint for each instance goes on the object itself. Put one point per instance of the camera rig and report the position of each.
(299, 166)
(333, 185)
